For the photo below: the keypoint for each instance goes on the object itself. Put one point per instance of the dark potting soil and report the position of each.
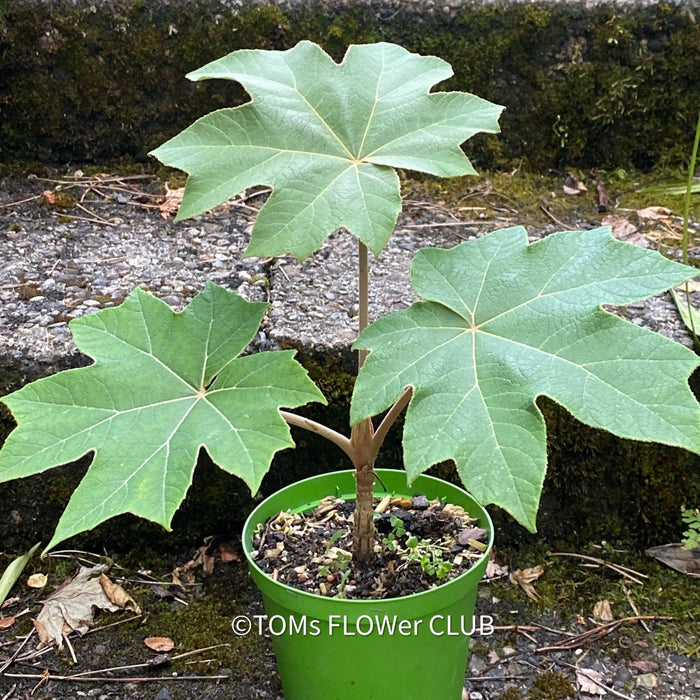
(418, 544)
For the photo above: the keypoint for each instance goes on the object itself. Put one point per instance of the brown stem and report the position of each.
(324, 431)
(363, 519)
(389, 420)
(363, 283)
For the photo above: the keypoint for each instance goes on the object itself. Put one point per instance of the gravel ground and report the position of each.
(58, 264)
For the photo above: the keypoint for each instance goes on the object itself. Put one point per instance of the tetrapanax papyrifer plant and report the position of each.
(500, 321)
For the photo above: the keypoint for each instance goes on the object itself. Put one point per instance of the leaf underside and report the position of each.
(503, 322)
(326, 137)
(163, 385)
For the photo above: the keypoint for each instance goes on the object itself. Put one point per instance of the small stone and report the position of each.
(647, 680)
(477, 665)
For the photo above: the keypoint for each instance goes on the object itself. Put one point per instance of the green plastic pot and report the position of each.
(334, 649)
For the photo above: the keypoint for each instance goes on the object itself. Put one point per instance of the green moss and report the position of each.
(597, 88)
(510, 694)
(570, 588)
(551, 685)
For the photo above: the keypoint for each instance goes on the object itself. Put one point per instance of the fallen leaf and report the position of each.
(655, 213)
(228, 553)
(37, 581)
(493, 569)
(117, 595)
(71, 607)
(161, 644)
(172, 201)
(602, 612)
(573, 186)
(643, 666)
(524, 579)
(687, 561)
(624, 230)
(6, 622)
(590, 681)
(49, 196)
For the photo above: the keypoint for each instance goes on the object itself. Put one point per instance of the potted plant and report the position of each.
(499, 323)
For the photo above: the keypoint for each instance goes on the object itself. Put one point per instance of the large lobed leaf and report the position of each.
(163, 385)
(325, 137)
(503, 322)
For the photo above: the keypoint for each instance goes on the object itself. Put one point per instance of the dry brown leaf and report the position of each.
(687, 561)
(49, 196)
(37, 581)
(643, 666)
(160, 644)
(71, 607)
(624, 230)
(206, 557)
(589, 681)
(172, 201)
(228, 553)
(602, 611)
(493, 569)
(525, 577)
(6, 622)
(655, 213)
(574, 186)
(118, 595)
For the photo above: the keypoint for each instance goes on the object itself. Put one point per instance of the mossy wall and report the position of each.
(606, 86)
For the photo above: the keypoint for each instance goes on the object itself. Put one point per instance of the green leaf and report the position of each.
(325, 137)
(163, 385)
(689, 314)
(503, 322)
(14, 571)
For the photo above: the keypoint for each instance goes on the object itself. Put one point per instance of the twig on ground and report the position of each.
(589, 677)
(631, 574)
(8, 694)
(16, 654)
(554, 218)
(93, 675)
(487, 679)
(597, 633)
(70, 648)
(111, 679)
(92, 630)
(634, 608)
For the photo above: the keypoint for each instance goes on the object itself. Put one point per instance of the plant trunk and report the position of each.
(363, 519)
(363, 528)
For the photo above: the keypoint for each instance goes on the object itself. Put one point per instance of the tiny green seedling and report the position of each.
(397, 531)
(429, 556)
